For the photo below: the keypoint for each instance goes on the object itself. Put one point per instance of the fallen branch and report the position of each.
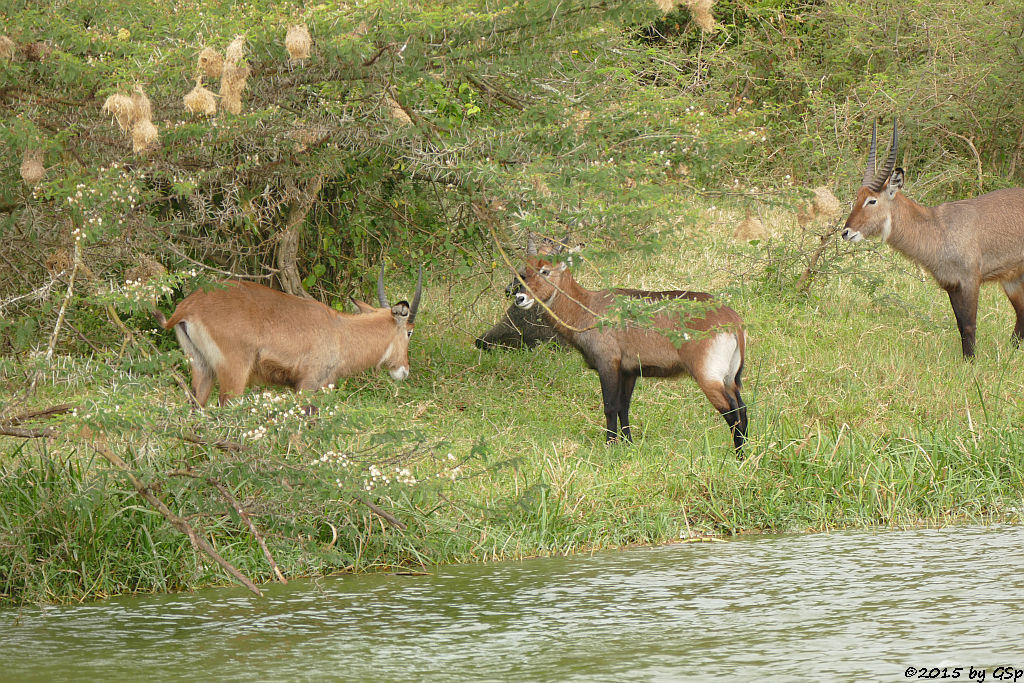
(226, 493)
(177, 522)
(9, 426)
(36, 414)
(220, 444)
(496, 93)
(383, 514)
(26, 433)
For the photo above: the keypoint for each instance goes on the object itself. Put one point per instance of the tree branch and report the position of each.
(198, 542)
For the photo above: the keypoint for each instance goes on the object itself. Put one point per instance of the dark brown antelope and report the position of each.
(521, 328)
(244, 333)
(712, 353)
(962, 243)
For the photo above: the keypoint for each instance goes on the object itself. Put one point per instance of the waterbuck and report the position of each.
(522, 328)
(962, 243)
(517, 329)
(244, 333)
(709, 344)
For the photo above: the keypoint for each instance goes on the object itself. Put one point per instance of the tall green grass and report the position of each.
(862, 414)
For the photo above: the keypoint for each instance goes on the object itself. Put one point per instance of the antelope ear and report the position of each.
(363, 306)
(564, 264)
(400, 310)
(895, 182)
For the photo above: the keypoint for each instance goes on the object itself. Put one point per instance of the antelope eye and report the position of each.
(871, 201)
(545, 271)
(410, 334)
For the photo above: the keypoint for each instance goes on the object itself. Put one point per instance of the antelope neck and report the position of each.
(571, 308)
(914, 231)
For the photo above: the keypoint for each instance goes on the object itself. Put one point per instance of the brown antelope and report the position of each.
(713, 356)
(962, 243)
(243, 332)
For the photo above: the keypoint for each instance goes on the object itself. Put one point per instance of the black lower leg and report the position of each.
(625, 398)
(735, 418)
(965, 307)
(610, 382)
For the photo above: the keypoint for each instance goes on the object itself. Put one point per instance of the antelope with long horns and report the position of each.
(962, 243)
(712, 349)
(244, 333)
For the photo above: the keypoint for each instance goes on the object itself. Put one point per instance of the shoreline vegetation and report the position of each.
(682, 154)
(495, 455)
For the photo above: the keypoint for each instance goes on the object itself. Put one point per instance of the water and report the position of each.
(843, 606)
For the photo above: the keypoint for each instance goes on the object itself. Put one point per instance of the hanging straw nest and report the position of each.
(822, 207)
(236, 51)
(122, 109)
(232, 83)
(8, 49)
(32, 170)
(144, 136)
(398, 113)
(58, 262)
(37, 51)
(234, 76)
(700, 10)
(200, 100)
(750, 228)
(211, 63)
(141, 107)
(146, 269)
(298, 42)
(304, 135)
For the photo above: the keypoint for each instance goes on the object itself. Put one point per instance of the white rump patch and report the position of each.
(723, 359)
(195, 339)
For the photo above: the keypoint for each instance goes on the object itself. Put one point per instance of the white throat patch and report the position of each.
(886, 228)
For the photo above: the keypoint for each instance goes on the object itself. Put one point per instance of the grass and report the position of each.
(862, 413)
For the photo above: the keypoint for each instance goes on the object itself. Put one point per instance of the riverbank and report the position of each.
(863, 415)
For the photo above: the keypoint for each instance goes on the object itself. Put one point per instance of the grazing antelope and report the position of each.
(962, 243)
(713, 357)
(243, 332)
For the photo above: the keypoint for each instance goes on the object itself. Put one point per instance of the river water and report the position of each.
(842, 606)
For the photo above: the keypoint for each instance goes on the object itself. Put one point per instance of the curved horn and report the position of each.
(869, 168)
(381, 296)
(416, 297)
(531, 244)
(890, 163)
